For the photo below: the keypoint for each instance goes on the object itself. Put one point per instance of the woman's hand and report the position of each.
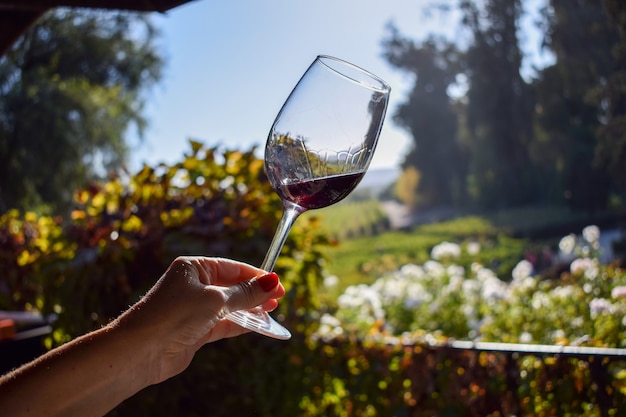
(186, 307)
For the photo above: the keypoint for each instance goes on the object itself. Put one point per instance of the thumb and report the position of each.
(252, 293)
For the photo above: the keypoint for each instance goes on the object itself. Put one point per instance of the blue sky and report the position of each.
(231, 64)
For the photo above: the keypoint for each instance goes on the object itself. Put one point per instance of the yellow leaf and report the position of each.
(132, 224)
(190, 164)
(78, 215)
(195, 146)
(98, 201)
(24, 258)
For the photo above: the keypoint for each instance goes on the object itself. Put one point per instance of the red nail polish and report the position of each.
(268, 281)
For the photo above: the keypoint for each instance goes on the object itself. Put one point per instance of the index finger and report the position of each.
(225, 272)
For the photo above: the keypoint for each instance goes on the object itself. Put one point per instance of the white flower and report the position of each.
(473, 248)
(469, 311)
(525, 337)
(470, 287)
(412, 270)
(599, 306)
(416, 295)
(581, 265)
(455, 271)
(445, 250)
(619, 292)
(558, 334)
(493, 289)
(390, 288)
(454, 286)
(567, 244)
(363, 300)
(475, 267)
(330, 320)
(331, 281)
(434, 269)
(591, 234)
(330, 328)
(540, 300)
(485, 274)
(563, 292)
(523, 285)
(593, 271)
(522, 270)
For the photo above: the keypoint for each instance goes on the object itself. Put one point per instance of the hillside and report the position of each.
(376, 180)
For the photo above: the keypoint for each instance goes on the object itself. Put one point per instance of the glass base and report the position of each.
(259, 321)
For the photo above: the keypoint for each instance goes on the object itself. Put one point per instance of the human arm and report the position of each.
(151, 342)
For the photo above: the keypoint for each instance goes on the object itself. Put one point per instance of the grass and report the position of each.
(364, 259)
(350, 219)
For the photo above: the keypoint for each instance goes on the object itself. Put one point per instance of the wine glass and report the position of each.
(317, 151)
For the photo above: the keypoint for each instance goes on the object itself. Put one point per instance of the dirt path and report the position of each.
(399, 216)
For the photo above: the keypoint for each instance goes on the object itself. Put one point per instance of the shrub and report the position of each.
(587, 302)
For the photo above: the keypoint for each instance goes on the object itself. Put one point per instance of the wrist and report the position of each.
(141, 345)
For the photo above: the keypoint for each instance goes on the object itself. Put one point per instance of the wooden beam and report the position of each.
(13, 24)
(134, 5)
(16, 16)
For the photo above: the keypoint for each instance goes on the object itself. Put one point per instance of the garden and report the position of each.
(396, 329)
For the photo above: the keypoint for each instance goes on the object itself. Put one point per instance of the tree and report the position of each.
(70, 89)
(500, 105)
(611, 150)
(581, 101)
(430, 117)
(477, 145)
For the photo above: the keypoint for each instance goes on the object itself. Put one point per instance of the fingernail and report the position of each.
(268, 281)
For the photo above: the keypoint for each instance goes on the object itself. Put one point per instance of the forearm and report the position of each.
(88, 376)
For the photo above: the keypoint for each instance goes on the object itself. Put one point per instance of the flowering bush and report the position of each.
(586, 304)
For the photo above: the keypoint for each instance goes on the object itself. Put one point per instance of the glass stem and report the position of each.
(291, 212)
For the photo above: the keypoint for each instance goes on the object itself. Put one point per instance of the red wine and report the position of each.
(319, 192)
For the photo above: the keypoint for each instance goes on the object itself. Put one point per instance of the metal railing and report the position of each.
(599, 360)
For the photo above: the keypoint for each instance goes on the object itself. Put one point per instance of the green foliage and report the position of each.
(70, 89)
